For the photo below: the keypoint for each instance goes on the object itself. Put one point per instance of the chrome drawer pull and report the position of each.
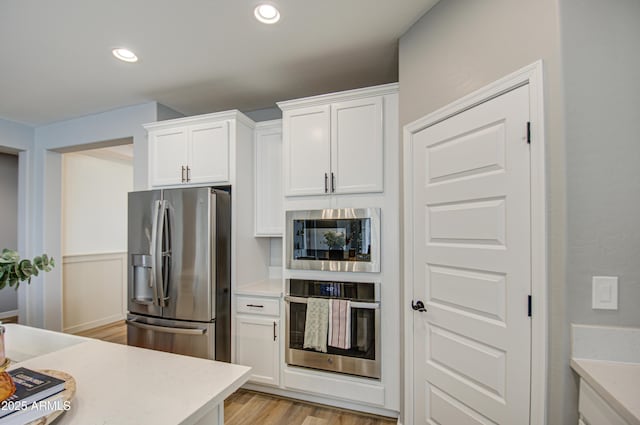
(255, 305)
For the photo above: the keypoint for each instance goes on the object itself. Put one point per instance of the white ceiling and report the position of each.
(196, 56)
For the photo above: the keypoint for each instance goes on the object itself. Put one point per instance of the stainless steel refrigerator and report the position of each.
(179, 265)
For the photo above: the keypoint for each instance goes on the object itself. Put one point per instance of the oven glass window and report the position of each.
(362, 332)
(332, 239)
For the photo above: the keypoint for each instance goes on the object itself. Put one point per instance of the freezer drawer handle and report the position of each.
(181, 331)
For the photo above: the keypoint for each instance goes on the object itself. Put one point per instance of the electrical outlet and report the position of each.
(604, 293)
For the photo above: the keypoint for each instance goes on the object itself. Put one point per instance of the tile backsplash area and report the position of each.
(618, 344)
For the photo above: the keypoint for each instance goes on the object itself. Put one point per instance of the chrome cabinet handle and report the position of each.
(333, 182)
(326, 184)
(255, 305)
(188, 174)
(274, 330)
(182, 174)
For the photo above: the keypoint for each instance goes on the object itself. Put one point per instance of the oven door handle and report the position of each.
(354, 304)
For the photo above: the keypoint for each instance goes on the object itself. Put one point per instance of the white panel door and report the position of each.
(269, 200)
(257, 346)
(209, 154)
(168, 156)
(306, 134)
(472, 266)
(356, 146)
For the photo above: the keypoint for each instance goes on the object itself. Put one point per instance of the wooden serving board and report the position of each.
(67, 394)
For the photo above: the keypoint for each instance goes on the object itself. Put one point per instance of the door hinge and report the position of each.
(529, 132)
(529, 306)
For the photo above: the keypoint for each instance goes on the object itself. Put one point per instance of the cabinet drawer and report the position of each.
(257, 305)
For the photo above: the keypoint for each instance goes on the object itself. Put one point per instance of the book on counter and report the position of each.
(31, 388)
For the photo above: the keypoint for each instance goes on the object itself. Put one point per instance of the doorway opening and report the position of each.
(94, 187)
(9, 164)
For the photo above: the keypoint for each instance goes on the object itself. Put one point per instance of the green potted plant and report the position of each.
(335, 241)
(13, 270)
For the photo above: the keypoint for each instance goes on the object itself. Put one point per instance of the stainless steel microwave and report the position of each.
(338, 240)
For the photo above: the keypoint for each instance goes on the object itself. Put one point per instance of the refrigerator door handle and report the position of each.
(167, 329)
(159, 263)
(154, 252)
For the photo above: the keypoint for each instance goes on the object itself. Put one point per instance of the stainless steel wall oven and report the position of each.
(340, 240)
(362, 358)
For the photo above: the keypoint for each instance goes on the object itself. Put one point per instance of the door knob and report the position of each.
(418, 306)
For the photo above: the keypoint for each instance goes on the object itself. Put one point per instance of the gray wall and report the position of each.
(462, 45)
(8, 220)
(266, 114)
(600, 44)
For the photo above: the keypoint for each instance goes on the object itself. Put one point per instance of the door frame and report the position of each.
(533, 76)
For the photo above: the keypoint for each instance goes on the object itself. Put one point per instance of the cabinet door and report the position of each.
(357, 146)
(306, 145)
(257, 346)
(209, 153)
(268, 159)
(167, 156)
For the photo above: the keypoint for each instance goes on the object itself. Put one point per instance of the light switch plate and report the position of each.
(605, 293)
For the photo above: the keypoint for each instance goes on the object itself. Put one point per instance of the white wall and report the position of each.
(94, 204)
(8, 220)
(460, 46)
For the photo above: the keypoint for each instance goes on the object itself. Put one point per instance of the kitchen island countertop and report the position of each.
(118, 384)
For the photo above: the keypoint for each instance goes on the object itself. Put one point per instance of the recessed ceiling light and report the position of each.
(267, 14)
(125, 54)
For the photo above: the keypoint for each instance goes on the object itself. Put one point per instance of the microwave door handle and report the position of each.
(354, 304)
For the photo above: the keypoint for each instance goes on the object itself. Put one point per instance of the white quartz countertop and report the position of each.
(118, 384)
(265, 288)
(616, 382)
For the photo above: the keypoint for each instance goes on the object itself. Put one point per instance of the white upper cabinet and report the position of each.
(356, 146)
(334, 144)
(307, 152)
(167, 156)
(209, 155)
(192, 150)
(269, 211)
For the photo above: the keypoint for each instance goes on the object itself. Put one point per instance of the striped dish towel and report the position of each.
(340, 324)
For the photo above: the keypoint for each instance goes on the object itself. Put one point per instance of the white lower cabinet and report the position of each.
(257, 345)
(594, 410)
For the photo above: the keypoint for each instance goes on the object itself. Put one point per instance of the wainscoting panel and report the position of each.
(94, 290)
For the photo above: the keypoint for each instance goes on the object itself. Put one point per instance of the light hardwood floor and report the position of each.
(253, 408)
(249, 407)
(114, 332)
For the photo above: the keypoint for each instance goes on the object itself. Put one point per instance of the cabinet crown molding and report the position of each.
(233, 114)
(324, 99)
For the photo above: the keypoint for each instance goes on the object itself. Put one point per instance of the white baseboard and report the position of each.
(10, 313)
(93, 324)
(321, 400)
